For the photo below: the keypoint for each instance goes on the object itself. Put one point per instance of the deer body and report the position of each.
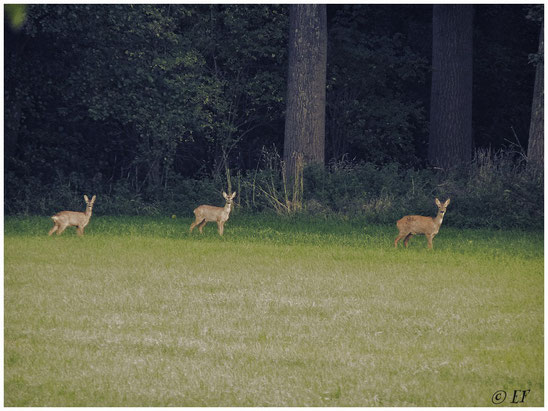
(65, 219)
(207, 213)
(411, 225)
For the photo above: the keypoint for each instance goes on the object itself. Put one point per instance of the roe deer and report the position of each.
(207, 213)
(66, 219)
(416, 224)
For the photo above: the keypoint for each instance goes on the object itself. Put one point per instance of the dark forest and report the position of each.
(157, 108)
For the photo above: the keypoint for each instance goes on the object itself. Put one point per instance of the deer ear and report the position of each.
(438, 203)
(233, 194)
(225, 195)
(86, 198)
(447, 202)
(93, 198)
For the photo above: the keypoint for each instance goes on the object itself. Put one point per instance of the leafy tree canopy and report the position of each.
(148, 94)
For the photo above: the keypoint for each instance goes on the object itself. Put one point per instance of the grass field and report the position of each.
(278, 312)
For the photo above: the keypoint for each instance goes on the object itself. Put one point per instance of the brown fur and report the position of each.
(65, 219)
(411, 225)
(207, 213)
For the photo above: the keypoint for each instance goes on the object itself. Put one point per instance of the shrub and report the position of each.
(494, 191)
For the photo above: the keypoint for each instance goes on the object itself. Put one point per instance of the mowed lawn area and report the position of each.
(278, 312)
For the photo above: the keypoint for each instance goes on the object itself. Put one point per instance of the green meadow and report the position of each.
(278, 312)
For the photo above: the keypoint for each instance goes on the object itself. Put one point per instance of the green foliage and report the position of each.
(16, 14)
(146, 90)
(150, 106)
(497, 192)
(375, 112)
(492, 192)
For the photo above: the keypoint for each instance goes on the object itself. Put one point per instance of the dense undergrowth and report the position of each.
(494, 191)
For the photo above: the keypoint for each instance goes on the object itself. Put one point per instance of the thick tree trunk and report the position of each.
(306, 86)
(535, 150)
(450, 141)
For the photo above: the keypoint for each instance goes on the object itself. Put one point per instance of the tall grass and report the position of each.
(278, 312)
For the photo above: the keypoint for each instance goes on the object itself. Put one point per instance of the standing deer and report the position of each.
(207, 213)
(416, 224)
(66, 219)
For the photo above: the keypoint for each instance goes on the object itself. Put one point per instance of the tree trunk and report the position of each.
(535, 149)
(306, 87)
(450, 141)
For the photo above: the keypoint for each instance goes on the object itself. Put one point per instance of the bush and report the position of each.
(493, 191)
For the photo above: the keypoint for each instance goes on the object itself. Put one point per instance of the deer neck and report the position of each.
(88, 212)
(228, 207)
(438, 220)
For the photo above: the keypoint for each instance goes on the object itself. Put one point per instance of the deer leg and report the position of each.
(54, 229)
(221, 227)
(398, 238)
(80, 231)
(61, 229)
(407, 238)
(194, 224)
(202, 225)
(430, 238)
